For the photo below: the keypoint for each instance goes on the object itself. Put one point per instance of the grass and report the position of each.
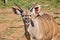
(10, 31)
(28, 3)
(12, 21)
(6, 17)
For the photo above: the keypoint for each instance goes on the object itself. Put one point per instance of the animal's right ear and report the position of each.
(17, 11)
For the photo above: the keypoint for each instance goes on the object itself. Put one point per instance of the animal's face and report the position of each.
(24, 13)
(26, 16)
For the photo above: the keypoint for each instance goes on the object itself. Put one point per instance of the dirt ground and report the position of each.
(11, 25)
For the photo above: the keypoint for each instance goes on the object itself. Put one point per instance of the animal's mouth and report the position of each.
(27, 20)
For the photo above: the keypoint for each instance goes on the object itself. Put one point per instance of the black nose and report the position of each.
(26, 18)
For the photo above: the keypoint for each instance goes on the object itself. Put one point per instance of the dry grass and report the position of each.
(11, 25)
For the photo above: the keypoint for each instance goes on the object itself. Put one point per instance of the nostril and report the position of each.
(27, 18)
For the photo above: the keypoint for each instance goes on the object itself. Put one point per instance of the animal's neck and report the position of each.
(26, 25)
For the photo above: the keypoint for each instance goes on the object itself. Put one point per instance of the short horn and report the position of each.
(33, 7)
(18, 6)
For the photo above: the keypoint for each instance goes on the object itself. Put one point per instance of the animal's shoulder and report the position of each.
(46, 16)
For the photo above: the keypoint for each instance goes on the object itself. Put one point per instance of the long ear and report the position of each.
(17, 11)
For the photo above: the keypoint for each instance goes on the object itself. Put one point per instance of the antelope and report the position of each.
(37, 27)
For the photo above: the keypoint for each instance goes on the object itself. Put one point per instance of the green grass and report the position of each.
(28, 3)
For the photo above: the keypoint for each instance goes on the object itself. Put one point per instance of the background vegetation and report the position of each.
(28, 3)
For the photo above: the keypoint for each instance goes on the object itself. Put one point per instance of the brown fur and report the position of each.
(48, 27)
